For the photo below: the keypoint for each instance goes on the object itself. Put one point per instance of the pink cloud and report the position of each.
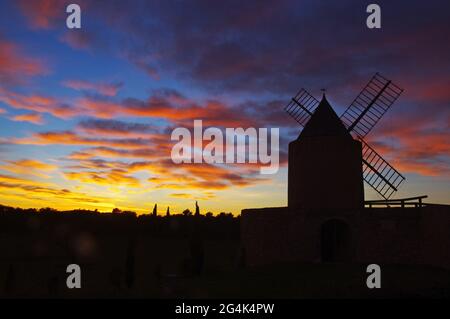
(80, 39)
(38, 103)
(15, 67)
(43, 14)
(416, 143)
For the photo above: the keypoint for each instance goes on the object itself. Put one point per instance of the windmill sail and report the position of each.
(370, 105)
(302, 106)
(378, 173)
(360, 117)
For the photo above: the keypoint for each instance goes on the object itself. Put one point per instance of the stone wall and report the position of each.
(378, 235)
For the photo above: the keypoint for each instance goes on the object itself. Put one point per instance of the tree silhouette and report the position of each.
(129, 264)
(155, 209)
(187, 212)
(168, 211)
(197, 209)
(122, 276)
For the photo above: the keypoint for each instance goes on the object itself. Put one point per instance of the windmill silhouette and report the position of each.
(333, 148)
(327, 218)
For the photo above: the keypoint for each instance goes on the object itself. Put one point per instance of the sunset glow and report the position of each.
(86, 115)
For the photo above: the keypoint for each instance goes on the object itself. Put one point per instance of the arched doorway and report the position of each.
(335, 241)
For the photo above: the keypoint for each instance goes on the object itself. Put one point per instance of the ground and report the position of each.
(322, 281)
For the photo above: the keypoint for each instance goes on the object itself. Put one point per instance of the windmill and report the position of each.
(358, 120)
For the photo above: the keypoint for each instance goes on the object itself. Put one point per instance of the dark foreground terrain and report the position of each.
(122, 255)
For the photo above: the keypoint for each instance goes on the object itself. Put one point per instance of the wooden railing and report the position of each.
(401, 202)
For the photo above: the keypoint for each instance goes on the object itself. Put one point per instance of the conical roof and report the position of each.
(324, 122)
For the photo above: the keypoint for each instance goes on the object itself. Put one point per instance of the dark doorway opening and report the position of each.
(335, 241)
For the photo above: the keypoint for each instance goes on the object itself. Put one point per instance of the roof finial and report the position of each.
(323, 91)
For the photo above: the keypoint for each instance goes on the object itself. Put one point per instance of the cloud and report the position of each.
(43, 14)
(38, 103)
(109, 152)
(429, 90)
(29, 167)
(416, 142)
(71, 138)
(201, 196)
(11, 186)
(263, 46)
(113, 177)
(256, 54)
(100, 107)
(165, 104)
(145, 63)
(116, 128)
(34, 164)
(79, 39)
(34, 118)
(107, 89)
(203, 176)
(164, 173)
(181, 110)
(16, 67)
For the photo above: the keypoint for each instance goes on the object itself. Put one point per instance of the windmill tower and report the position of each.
(328, 165)
(330, 159)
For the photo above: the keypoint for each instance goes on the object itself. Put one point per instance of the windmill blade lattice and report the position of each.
(370, 105)
(378, 173)
(302, 106)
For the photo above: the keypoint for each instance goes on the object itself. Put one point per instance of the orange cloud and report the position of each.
(422, 167)
(33, 164)
(34, 118)
(115, 177)
(171, 106)
(174, 108)
(417, 144)
(29, 167)
(429, 89)
(38, 103)
(165, 174)
(25, 189)
(213, 113)
(70, 138)
(100, 108)
(204, 196)
(202, 176)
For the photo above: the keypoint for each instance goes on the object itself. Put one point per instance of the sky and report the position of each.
(86, 114)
